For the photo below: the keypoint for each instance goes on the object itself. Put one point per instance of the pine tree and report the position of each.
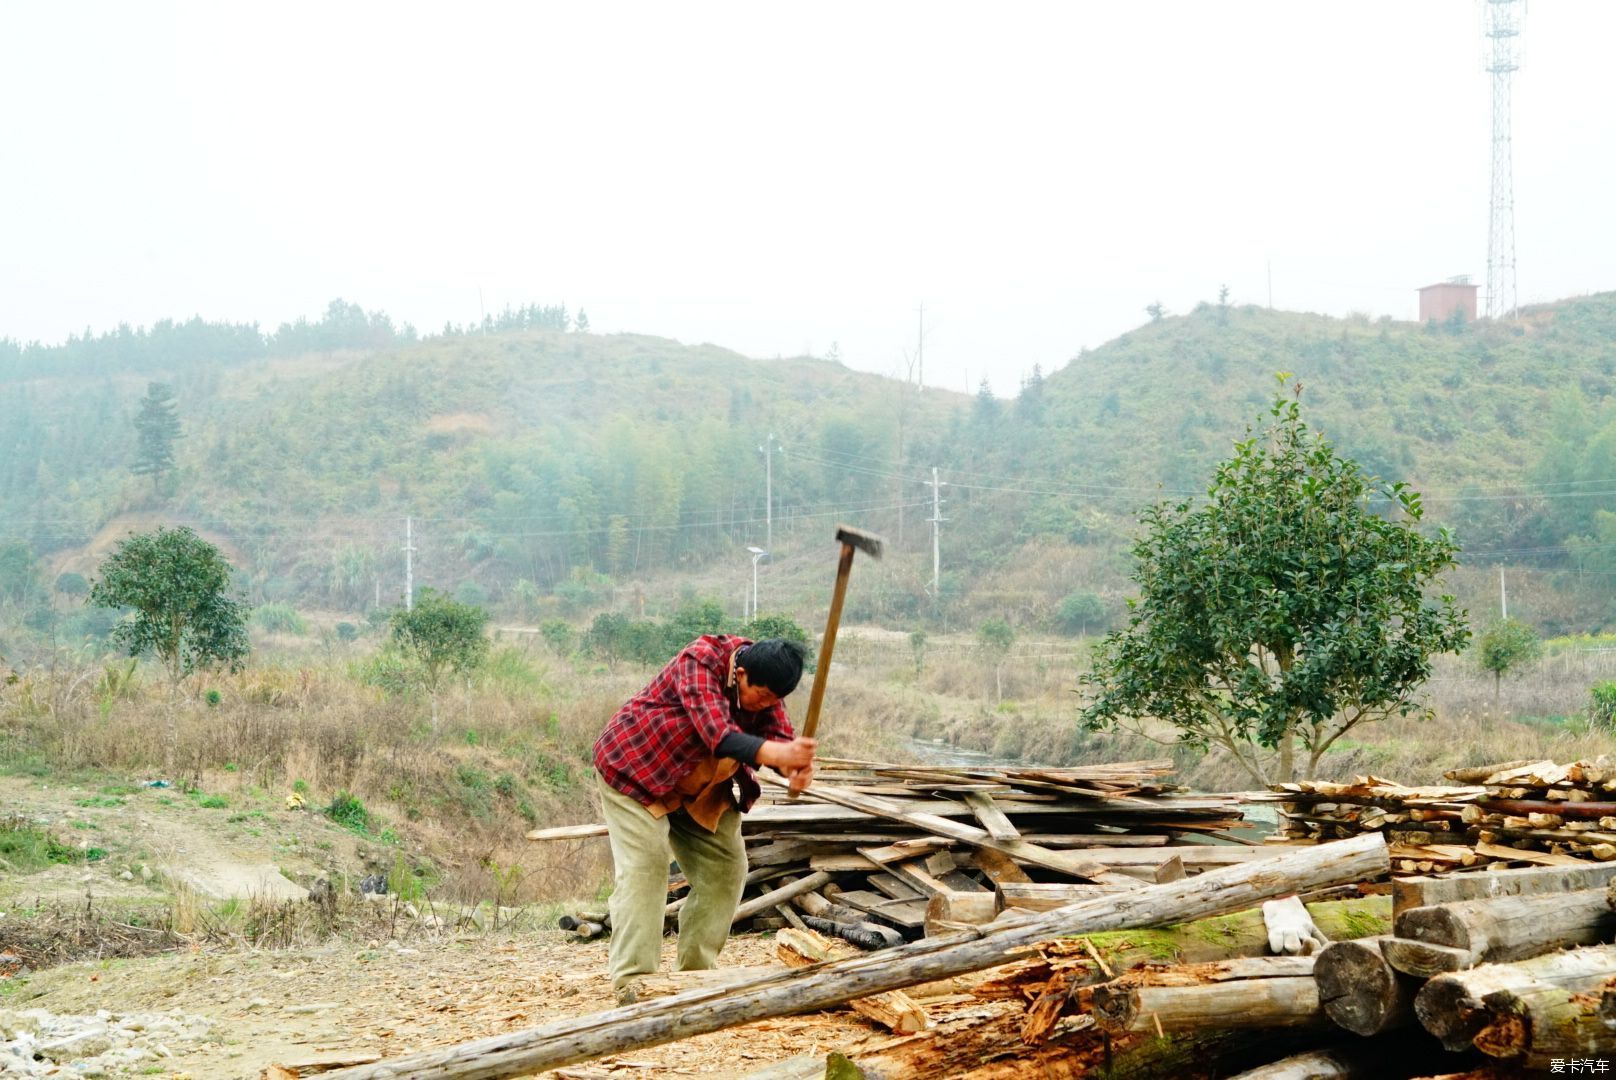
(158, 425)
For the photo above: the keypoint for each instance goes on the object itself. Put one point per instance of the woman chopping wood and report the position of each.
(675, 772)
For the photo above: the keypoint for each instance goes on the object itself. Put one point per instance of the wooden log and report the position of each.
(998, 866)
(1046, 896)
(1284, 1002)
(566, 1042)
(1512, 927)
(893, 1010)
(866, 935)
(1479, 774)
(568, 832)
(781, 895)
(1540, 1023)
(1337, 1063)
(1415, 892)
(1453, 1007)
(1360, 991)
(947, 912)
(1423, 960)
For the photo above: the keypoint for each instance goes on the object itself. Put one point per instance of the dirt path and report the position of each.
(332, 1002)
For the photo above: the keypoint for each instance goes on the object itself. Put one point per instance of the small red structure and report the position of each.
(1440, 301)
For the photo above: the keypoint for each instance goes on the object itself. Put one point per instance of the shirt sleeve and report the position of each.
(740, 746)
(704, 701)
(776, 725)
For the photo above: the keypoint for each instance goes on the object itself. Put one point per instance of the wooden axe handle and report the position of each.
(822, 669)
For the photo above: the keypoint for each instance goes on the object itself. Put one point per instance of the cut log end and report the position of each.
(1359, 989)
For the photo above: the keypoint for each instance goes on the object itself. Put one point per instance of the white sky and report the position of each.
(775, 177)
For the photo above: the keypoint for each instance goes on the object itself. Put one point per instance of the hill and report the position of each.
(550, 470)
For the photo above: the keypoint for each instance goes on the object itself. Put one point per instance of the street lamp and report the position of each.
(757, 553)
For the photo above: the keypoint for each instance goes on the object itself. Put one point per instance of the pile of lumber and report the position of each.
(885, 853)
(1517, 813)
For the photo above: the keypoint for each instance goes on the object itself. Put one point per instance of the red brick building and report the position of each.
(1440, 301)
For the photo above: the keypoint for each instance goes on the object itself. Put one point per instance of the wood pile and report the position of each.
(885, 853)
(1518, 813)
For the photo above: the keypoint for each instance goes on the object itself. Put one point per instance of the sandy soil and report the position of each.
(384, 998)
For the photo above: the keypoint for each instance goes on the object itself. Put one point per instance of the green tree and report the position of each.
(158, 427)
(1283, 611)
(72, 584)
(771, 625)
(177, 589)
(443, 636)
(996, 637)
(19, 572)
(1155, 311)
(559, 635)
(917, 646)
(1079, 611)
(1505, 646)
(581, 322)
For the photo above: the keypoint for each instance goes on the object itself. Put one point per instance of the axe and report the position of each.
(851, 540)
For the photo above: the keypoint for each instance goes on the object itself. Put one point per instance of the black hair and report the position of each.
(775, 664)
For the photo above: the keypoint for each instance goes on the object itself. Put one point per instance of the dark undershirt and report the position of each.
(740, 746)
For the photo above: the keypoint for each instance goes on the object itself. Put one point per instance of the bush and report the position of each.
(781, 626)
(1080, 613)
(346, 810)
(471, 594)
(72, 584)
(558, 635)
(1602, 704)
(279, 619)
(347, 632)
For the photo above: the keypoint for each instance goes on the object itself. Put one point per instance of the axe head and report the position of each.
(869, 543)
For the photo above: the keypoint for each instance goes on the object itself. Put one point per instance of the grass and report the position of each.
(27, 847)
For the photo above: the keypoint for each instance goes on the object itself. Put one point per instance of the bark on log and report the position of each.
(1453, 1007)
(1240, 1003)
(1540, 1023)
(1512, 927)
(866, 935)
(1227, 889)
(1339, 1063)
(1530, 881)
(1360, 991)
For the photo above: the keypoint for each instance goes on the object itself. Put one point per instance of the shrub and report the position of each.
(1602, 704)
(279, 619)
(346, 810)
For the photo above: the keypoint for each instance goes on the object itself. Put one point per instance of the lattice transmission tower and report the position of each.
(1503, 31)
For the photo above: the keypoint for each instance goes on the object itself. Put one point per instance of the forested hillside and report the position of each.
(546, 464)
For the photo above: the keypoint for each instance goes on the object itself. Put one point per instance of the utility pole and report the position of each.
(409, 564)
(768, 450)
(1503, 595)
(936, 520)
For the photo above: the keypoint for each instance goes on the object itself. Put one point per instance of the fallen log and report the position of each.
(1530, 881)
(866, 935)
(1359, 989)
(1046, 896)
(1453, 1007)
(1271, 992)
(565, 1042)
(1540, 1023)
(1423, 960)
(1512, 927)
(781, 895)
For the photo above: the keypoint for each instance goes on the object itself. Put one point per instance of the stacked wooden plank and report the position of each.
(883, 851)
(1498, 816)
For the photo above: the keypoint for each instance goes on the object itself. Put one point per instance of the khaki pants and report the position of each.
(713, 862)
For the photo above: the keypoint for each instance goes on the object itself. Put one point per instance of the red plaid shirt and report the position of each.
(656, 739)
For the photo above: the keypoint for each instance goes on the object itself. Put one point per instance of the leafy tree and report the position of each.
(72, 584)
(780, 626)
(996, 637)
(1505, 646)
(1283, 611)
(1155, 311)
(917, 646)
(177, 588)
(581, 322)
(443, 635)
(606, 637)
(1078, 612)
(158, 427)
(558, 634)
(19, 572)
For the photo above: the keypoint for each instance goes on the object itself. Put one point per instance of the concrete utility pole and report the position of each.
(936, 520)
(409, 564)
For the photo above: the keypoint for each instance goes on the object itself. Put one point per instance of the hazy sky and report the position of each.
(775, 177)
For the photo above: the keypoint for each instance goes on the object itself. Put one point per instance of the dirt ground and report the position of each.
(354, 998)
(393, 994)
